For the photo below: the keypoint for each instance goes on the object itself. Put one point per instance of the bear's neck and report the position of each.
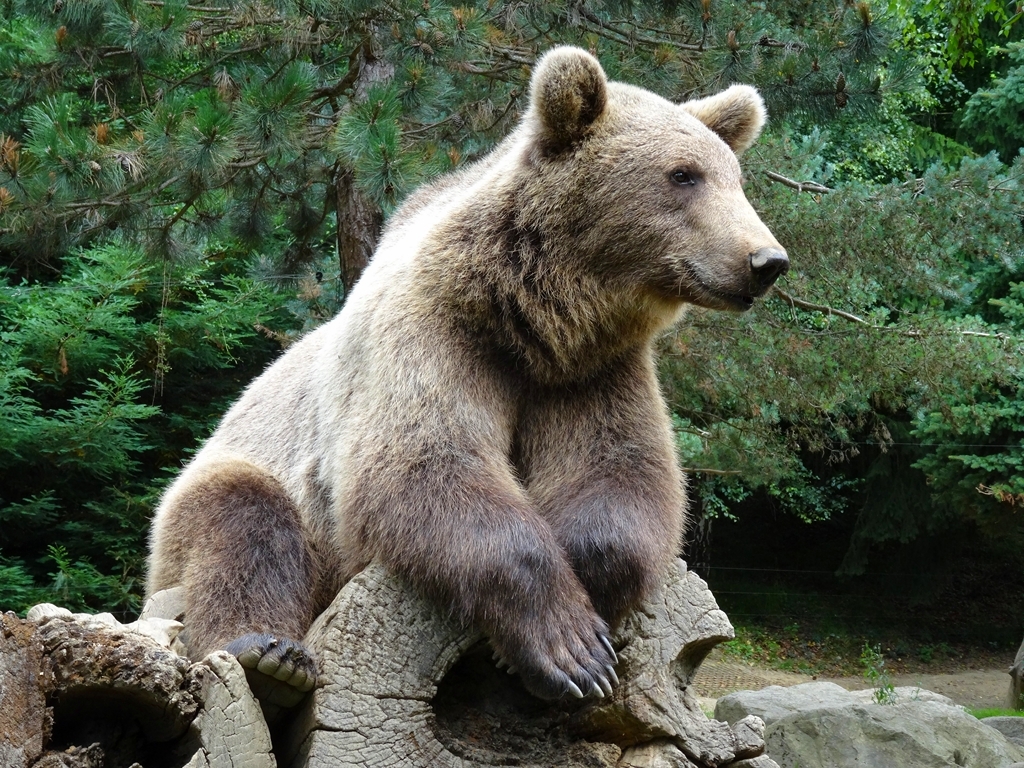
(554, 319)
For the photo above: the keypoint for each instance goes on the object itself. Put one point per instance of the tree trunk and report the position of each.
(359, 223)
(359, 220)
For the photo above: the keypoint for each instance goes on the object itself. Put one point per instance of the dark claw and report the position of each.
(512, 669)
(608, 646)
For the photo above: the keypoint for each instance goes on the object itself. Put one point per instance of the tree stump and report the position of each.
(401, 685)
(87, 692)
(1015, 697)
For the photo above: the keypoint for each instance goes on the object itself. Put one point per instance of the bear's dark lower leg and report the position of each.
(473, 544)
(249, 579)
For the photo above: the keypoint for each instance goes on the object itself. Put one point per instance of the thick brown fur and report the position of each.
(483, 415)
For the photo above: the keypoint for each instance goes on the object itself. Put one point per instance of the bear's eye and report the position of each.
(683, 178)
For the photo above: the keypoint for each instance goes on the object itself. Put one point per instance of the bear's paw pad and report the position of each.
(280, 671)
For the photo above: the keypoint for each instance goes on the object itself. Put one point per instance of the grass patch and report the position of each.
(833, 652)
(996, 712)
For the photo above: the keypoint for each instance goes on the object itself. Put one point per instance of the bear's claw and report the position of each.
(611, 674)
(608, 645)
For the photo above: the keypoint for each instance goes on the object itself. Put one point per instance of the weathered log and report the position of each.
(406, 687)
(401, 685)
(87, 692)
(1015, 696)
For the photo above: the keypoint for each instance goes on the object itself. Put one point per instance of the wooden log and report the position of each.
(404, 686)
(401, 685)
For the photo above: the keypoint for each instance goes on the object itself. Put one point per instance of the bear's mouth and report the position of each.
(696, 289)
(737, 302)
(713, 298)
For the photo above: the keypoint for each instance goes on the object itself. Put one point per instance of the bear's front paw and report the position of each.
(280, 671)
(561, 661)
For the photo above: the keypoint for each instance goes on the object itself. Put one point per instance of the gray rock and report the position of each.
(763, 761)
(749, 736)
(821, 724)
(1011, 727)
(775, 702)
(921, 734)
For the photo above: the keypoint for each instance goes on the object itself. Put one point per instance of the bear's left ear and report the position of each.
(737, 115)
(568, 92)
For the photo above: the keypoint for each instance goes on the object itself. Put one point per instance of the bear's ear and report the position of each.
(737, 115)
(568, 92)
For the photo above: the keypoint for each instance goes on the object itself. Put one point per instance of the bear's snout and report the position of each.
(766, 266)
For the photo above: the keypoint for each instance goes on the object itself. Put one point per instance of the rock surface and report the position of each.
(821, 724)
(404, 687)
(1011, 727)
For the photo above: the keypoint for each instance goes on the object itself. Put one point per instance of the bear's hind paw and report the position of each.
(280, 671)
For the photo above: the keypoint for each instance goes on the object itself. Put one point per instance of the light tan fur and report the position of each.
(484, 415)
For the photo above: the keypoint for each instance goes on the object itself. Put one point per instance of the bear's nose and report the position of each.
(767, 265)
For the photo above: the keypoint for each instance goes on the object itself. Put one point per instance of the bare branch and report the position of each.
(911, 333)
(712, 471)
(799, 186)
(795, 302)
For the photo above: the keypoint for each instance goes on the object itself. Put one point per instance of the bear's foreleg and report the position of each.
(233, 538)
(460, 528)
(599, 462)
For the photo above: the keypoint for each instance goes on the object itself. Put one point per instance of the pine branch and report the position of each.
(631, 38)
(196, 8)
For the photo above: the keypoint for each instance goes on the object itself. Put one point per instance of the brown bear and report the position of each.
(483, 415)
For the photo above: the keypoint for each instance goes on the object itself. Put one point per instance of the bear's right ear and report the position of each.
(568, 92)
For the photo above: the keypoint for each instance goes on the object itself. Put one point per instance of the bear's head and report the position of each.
(646, 193)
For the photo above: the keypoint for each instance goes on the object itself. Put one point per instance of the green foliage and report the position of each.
(787, 395)
(995, 115)
(952, 28)
(877, 675)
(82, 447)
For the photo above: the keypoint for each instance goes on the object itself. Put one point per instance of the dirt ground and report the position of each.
(972, 688)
